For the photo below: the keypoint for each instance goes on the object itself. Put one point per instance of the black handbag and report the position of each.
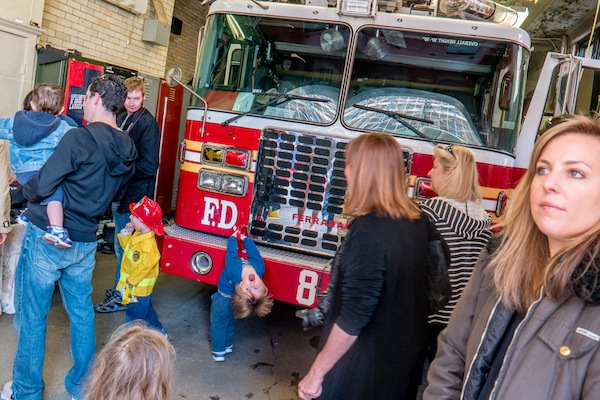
(438, 279)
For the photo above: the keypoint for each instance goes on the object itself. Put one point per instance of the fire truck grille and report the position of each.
(299, 191)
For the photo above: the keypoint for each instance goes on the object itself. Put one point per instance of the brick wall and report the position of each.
(105, 32)
(183, 48)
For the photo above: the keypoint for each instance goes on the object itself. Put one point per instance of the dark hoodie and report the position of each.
(31, 126)
(92, 164)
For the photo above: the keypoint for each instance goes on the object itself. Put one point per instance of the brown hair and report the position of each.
(378, 181)
(135, 83)
(522, 264)
(48, 98)
(245, 306)
(137, 364)
(463, 179)
(27, 101)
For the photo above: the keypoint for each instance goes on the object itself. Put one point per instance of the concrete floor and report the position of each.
(270, 354)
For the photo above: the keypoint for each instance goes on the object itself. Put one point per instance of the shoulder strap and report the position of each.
(134, 123)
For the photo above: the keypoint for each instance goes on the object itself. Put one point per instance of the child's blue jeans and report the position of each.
(143, 310)
(222, 323)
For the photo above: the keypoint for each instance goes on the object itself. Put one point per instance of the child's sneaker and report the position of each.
(229, 349)
(111, 303)
(58, 236)
(7, 391)
(22, 219)
(218, 357)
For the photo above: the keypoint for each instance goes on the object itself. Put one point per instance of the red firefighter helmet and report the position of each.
(149, 212)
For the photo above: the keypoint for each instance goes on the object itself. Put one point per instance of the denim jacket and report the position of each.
(33, 137)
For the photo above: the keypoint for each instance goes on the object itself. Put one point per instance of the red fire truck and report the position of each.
(282, 88)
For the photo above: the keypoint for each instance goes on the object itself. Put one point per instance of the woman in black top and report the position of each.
(376, 331)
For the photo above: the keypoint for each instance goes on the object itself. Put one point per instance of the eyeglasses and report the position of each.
(449, 150)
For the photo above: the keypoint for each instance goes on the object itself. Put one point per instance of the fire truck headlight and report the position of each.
(201, 263)
(234, 184)
(210, 180)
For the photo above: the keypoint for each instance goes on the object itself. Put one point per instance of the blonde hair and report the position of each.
(378, 181)
(522, 264)
(245, 306)
(48, 98)
(135, 83)
(463, 178)
(136, 364)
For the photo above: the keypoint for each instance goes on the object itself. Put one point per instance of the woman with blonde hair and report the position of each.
(460, 219)
(136, 364)
(375, 333)
(528, 323)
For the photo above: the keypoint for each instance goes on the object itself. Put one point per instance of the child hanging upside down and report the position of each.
(241, 293)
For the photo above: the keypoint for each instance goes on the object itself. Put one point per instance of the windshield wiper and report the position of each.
(400, 118)
(276, 97)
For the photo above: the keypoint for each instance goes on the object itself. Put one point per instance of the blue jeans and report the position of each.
(222, 323)
(121, 219)
(143, 310)
(41, 265)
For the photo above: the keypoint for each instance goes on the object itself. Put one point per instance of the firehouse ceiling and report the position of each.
(551, 19)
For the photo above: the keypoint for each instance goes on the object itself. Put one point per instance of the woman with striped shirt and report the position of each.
(459, 218)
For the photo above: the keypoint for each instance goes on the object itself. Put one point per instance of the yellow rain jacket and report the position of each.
(139, 265)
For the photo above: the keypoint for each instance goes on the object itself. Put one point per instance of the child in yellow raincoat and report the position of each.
(139, 267)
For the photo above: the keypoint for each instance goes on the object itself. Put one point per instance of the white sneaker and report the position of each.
(7, 391)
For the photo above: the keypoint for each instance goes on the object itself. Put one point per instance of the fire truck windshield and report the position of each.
(468, 90)
(247, 62)
(458, 89)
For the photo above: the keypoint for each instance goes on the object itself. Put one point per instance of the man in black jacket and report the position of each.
(92, 164)
(143, 130)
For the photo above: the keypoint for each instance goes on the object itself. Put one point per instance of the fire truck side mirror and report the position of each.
(173, 76)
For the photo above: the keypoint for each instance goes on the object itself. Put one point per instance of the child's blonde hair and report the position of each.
(136, 364)
(245, 306)
(48, 98)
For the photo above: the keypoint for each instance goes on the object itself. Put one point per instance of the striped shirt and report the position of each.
(466, 229)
